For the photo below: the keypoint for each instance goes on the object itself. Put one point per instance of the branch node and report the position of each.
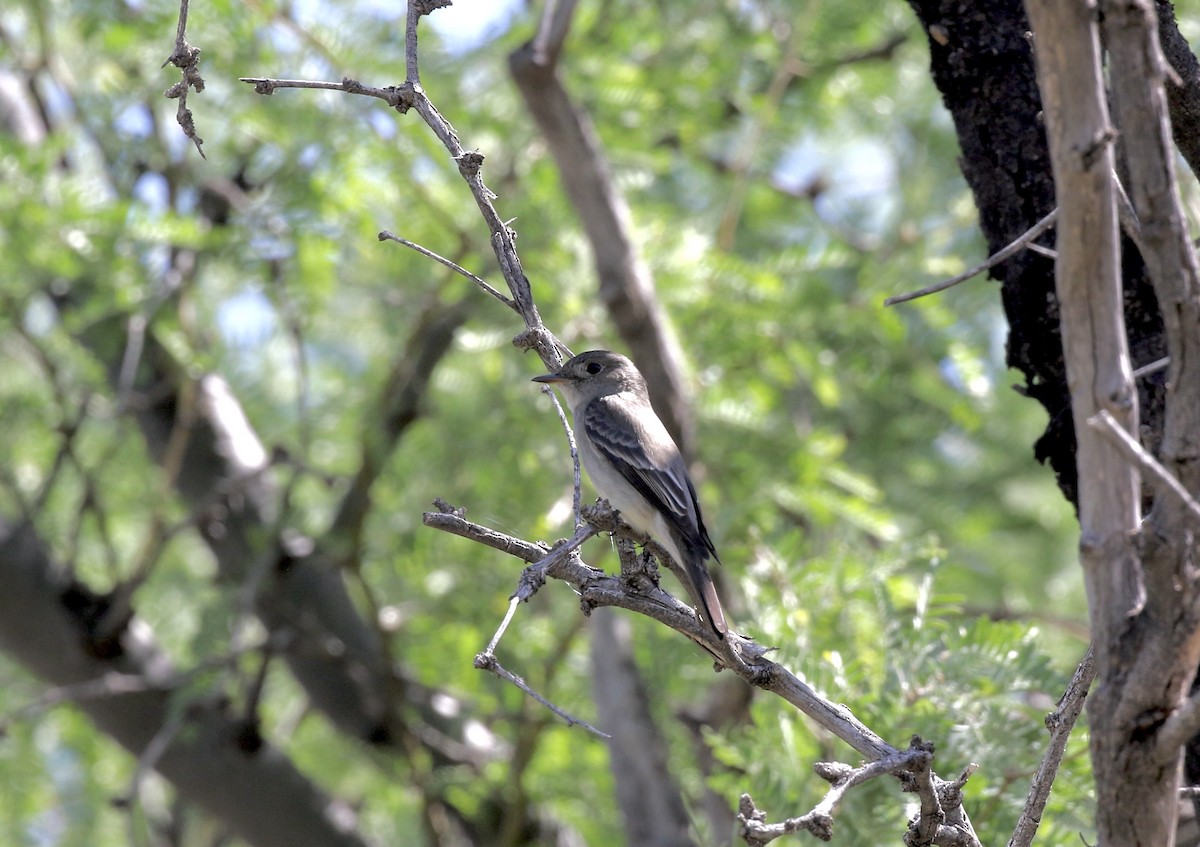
(401, 97)
(832, 772)
(1094, 149)
(448, 509)
(586, 606)
(529, 583)
(469, 164)
(425, 7)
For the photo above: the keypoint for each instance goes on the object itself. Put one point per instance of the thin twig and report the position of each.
(410, 95)
(450, 263)
(1018, 244)
(1181, 726)
(487, 662)
(187, 59)
(819, 821)
(576, 494)
(1060, 722)
(1107, 424)
(513, 602)
(534, 576)
(1154, 367)
(1127, 215)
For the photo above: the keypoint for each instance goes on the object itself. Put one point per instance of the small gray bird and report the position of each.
(635, 465)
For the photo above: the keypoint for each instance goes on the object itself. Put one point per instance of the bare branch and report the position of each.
(1162, 479)
(410, 95)
(576, 493)
(746, 661)
(1060, 722)
(1179, 728)
(923, 828)
(187, 59)
(454, 266)
(912, 765)
(451, 520)
(1019, 243)
(488, 662)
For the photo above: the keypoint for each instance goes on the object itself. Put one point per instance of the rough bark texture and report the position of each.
(1161, 645)
(1183, 99)
(983, 65)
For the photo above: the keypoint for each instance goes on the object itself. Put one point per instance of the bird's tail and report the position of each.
(705, 593)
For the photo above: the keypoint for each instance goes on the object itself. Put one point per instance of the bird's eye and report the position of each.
(594, 368)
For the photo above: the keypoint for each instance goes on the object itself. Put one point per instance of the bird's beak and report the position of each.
(550, 378)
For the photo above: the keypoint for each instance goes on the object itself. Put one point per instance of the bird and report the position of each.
(635, 464)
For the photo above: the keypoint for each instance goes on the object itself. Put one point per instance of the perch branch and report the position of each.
(598, 589)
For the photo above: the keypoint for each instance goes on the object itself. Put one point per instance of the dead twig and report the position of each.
(1060, 722)
(1018, 244)
(1150, 467)
(187, 59)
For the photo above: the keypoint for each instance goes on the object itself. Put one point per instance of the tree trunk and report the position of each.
(983, 65)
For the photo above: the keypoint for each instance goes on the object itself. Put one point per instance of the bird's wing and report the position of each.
(642, 451)
(637, 444)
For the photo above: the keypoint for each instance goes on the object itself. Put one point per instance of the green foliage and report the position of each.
(866, 472)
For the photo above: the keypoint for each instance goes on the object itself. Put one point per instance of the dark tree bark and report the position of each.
(982, 63)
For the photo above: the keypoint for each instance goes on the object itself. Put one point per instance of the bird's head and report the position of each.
(594, 374)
